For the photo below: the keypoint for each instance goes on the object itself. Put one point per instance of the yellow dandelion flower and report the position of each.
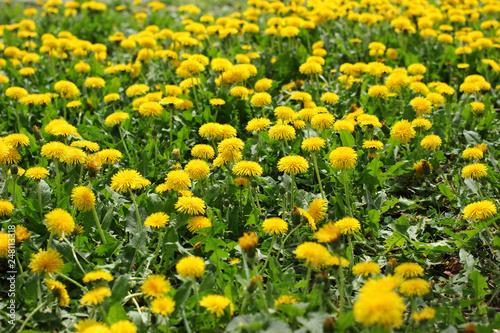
(474, 171)
(316, 255)
(157, 220)
(59, 291)
(126, 180)
(366, 269)
(21, 233)
(49, 261)
(317, 209)
(275, 226)
(247, 169)
(480, 210)
(378, 307)
(96, 276)
(190, 205)
(258, 124)
(163, 305)
(82, 198)
(328, 233)
(192, 267)
(116, 118)
(293, 164)
(431, 142)
(313, 144)
(402, 131)
(178, 180)
(155, 286)
(348, 225)
(95, 296)
(343, 158)
(215, 304)
(203, 151)
(198, 222)
(414, 287)
(425, 314)
(37, 173)
(409, 269)
(473, 153)
(6, 208)
(59, 221)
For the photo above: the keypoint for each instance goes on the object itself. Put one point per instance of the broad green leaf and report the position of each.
(478, 284)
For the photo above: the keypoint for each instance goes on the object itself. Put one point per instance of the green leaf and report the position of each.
(447, 192)
(478, 284)
(496, 242)
(120, 288)
(347, 138)
(396, 240)
(373, 219)
(116, 313)
(182, 294)
(139, 241)
(344, 321)
(313, 323)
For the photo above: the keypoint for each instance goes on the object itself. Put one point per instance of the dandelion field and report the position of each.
(319, 166)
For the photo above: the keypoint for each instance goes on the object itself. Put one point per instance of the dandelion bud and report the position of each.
(295, 215)
(385, 129)
(391, 265)
(176, 154)
(14, 170)
(248, 243)
(38, 134)
(320, 277)
(470, 328)
(252, 284)
(154, 133)
(197, 249)
(329, 325)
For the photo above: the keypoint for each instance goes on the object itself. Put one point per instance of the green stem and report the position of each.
(73, 281)
(14, 185)
(58, 180)
(244, 304)
(308, 279)
(103, 313)
(286, 238)
(19, 264)
(292, 201)
(124, 143)
(346, 189)
(283, 148)
(195, 290)
(139, 222)
(171, 125)
(17, 120)
(352, 253)
(317, 174)
(98, 224)
(341, 291)
(50, 240)
(273, 240)
(74, 255)
(250, 194)
(186, 323)
(32, 313)
(259, 287)
(488, 231)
